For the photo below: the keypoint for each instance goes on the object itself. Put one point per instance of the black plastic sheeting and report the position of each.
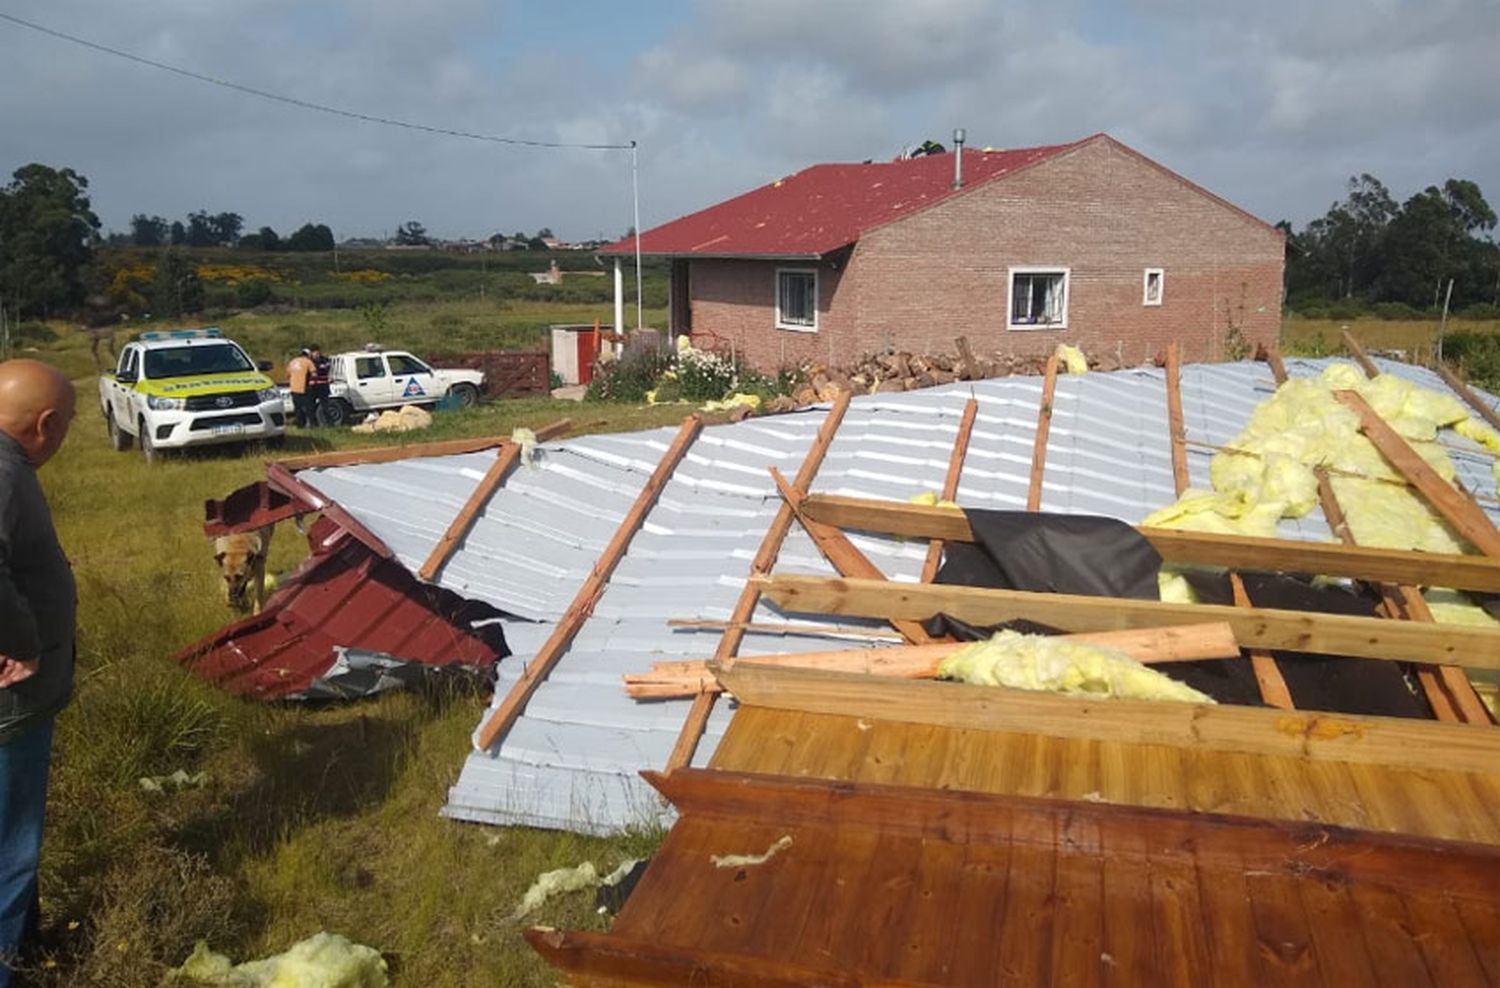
(1102, 557)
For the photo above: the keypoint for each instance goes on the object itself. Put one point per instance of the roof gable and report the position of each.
(825, 207)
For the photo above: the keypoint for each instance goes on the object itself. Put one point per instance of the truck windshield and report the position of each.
(190, 361)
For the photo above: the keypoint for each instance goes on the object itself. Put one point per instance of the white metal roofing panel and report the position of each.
(573, 757)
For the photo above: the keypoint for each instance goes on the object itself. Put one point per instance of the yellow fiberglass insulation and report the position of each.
(1058, 665)
(324, 960)
(1072, 359)
(1266, 473)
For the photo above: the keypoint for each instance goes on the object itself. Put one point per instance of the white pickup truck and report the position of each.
(188, 387)
(363, 381)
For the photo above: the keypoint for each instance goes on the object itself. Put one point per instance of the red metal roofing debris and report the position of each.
(344, 595)
(825, 207)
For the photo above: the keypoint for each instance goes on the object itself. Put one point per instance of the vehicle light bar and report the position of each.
(181, 334)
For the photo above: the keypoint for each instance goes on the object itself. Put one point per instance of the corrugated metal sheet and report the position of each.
(343, 597)
(571, 761)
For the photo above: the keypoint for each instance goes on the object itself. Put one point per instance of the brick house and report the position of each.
(1089, 243)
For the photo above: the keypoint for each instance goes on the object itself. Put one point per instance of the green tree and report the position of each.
(412, 234)
(226, 228)
(311, 236)
(177, 234)
(47, 230)
(148, 231)
(176, 289)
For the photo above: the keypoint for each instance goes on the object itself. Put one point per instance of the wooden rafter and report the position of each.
(765, 559)
(505, 460)
(500, 721)
(1466, 517)
(1254, 627)
(1153, 646)
(1467, 394)
(1043, 430)
(844, 555)
(950, 483)
(1201, 548)
(1268, 677)
(1360, 357)
(1395, 593)
(1393, 741)
(387, 454)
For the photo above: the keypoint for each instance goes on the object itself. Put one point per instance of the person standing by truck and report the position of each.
(299, 371)
(318, 388)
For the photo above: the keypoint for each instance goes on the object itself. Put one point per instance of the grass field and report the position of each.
(309, 819)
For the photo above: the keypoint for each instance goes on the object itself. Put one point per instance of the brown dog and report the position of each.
(242, 559)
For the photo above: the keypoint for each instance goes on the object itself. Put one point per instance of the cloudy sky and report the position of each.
(1271, 104)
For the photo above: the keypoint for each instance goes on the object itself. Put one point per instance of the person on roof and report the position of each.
(299, 371)
(38, 605)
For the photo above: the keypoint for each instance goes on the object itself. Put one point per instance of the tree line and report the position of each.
(204, 229)
(1369, 251)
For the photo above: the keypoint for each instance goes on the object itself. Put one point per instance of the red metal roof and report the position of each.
(345, 595)
(825, 207)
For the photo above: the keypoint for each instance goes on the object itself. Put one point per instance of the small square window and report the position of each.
(1038, 298)
(797, 300)
(1152, 286)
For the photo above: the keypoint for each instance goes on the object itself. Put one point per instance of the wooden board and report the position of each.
(1199, 548)
(387, 454)
(1039, 440)
(504, 715)
(1467, 393)
(901, 886)
(765, 558)
(1254, 627)
(950, 482)
(1384, 741)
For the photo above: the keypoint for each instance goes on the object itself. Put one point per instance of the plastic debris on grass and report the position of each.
(562, 880)
(323, 960)
(732, 402)
(1072, 359)
(177, 780)
(1057, 665)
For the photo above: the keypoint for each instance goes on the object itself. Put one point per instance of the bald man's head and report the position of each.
(36, 407)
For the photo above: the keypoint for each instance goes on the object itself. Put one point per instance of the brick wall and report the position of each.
(1100, 211)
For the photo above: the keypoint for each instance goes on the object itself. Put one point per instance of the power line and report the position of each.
(307, 104)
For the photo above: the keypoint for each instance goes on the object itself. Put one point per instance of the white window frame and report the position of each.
(1010, 291)
(1161, 286)
(797, 327)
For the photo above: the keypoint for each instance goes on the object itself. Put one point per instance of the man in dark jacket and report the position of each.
(318, 386)
(37, 605)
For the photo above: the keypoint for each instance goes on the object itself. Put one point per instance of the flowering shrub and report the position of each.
(234, 274)
(364, 276)
(705, 376)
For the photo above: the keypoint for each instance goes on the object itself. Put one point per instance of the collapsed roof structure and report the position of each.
(571, 748)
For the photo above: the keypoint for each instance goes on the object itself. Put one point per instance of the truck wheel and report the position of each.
(337, 413)
(119, 439)
(467, 395)
(148, 447)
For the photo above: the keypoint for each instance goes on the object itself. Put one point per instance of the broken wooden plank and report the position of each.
(507, 458)
(1039, 441)
(500, 721)
(785, 628)
(843, 555)
(1200, 548)
(1153, 646)
(950, 483)
(387, 454)
(1466, 517)
(1358, 352)
(966, 355)
(1268, 677)
(1254, 627)
(765, 558)
(1462, 389)
(1393, 741)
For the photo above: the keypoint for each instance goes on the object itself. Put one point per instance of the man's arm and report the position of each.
(19, 640)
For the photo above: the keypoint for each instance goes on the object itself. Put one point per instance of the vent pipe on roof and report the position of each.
(958, 157)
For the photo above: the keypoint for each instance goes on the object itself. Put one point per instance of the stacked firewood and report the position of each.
(888, 373)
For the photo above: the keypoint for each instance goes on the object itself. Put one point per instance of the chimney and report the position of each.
(958, 157)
